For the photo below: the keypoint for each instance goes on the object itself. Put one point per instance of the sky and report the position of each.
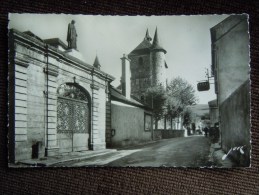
(186, 39)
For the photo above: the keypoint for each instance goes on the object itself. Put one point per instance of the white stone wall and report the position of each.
(123, 117)
(230, 46)
(231, 57)
(21, 147)
(36, 106)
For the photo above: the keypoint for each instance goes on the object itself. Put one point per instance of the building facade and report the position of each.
(130, 120)
(147, 65)
(214, 112)
(57, 102)
(230, 66)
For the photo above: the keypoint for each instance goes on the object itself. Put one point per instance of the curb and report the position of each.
(78, 158)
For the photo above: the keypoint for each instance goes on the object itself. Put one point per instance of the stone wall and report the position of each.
(235, 123)
(36, 71)
(140, 74)
(230, 59)
(157, 59)
(36, 109)
(230, 46)
(125, 132)
(26, 86)
(214, 112)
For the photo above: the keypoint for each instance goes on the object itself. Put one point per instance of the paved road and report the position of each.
(179, 152)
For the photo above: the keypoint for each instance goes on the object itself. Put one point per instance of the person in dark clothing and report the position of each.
(193, 128)
(206, 129)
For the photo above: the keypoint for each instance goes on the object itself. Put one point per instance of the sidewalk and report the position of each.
(78, 157)
(53, 160)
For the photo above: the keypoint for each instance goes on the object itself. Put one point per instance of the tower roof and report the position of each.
(144, 46)
(147, 37)
(96, 63)
(156, 45)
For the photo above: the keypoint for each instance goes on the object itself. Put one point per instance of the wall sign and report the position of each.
(203, 86)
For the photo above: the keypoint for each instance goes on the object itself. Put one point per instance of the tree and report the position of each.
(187, 117)
(180, 94)
(156, 98)
(170, 103)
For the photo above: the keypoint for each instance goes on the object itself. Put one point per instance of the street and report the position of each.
(180, 152)
(190, 151)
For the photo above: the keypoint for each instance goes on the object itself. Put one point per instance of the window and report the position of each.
(140, 61)
(147, 122)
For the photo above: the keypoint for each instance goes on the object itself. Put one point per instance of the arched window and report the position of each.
(70, 90)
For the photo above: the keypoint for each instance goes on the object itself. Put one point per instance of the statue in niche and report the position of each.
(71, 35)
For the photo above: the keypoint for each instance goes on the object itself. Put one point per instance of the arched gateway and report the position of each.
(73, 117)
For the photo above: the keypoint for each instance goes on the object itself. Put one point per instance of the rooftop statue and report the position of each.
(71, 35)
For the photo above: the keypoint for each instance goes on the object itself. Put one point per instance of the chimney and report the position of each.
(125, 77)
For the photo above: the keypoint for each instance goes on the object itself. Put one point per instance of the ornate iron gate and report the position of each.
(72, 111)
(72, 116)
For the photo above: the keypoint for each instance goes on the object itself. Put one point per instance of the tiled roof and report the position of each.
(147, 37)
(55, 42)
(32, 35)
(143, 46)
(156, 45)
(116, 95)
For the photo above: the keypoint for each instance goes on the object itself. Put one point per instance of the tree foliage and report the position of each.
(205, 116)
(156, 98)
(187, 117)
(180, 94)
(172, 101)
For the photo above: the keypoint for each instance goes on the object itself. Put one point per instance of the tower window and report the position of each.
(140, 61)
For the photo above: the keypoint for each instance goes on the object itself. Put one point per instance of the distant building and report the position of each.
(147, 65)
(230, 66)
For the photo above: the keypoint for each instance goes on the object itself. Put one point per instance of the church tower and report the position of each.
(140, 66)
(147, 65)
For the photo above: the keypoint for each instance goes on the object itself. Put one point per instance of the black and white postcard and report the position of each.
(119, 91)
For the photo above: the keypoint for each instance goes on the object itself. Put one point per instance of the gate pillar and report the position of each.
(95, 143)
(51, 108)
